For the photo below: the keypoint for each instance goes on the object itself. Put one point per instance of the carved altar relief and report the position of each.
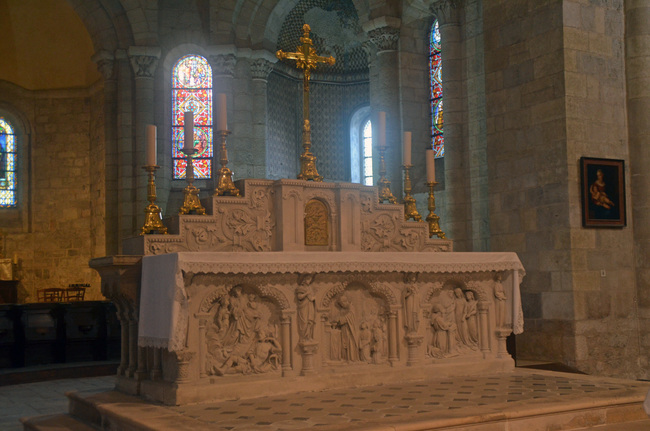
(317, 224)
(243, 333)
(453, 322)
(356, 328)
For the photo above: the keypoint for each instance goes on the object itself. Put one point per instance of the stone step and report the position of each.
(56, 423)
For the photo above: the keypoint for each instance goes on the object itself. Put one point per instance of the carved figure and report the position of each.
(411, 306)
(365, 339)
(378, 342)
(306, 304)
(440, 341)
(500, 301)
(346, 323)
(265, 354)
(471, 317)
(460, 314)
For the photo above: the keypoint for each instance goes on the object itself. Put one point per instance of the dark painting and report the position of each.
(603, 192)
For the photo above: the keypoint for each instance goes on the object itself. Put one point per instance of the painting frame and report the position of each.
(603, 192)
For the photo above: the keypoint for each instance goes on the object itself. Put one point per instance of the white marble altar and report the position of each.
(303, 286)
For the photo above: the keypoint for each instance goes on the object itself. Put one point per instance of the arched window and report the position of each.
(435, 87)
(192, 91)
(361, 147)
(7, 165)
(366, 151)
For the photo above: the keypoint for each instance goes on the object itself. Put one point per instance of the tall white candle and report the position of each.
(431, 166)
(152, 145)
(406, 148)
(222, 118)
(189, 131)
(382, 129)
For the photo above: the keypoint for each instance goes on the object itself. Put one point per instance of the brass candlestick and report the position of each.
(191, 202)
(384, 185)
(432, 218)
(410, 211)
(225, 186)
(306, 59)
(152, 218)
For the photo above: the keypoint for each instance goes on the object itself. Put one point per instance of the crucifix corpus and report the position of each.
(306, 59)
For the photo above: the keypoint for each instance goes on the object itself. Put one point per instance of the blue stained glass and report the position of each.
(192, 91)
(367, 154)
(435, 91)
(7, 165)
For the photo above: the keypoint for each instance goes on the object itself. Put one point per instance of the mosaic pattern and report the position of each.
(335, 29)
(192, 91)
(435, 97)
(7, 165)
(283, 131)
(441, 399)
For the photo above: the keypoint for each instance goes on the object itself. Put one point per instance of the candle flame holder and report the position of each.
(225, 186)
(191, 201)
(410, 210)
(384, 184)
(152, 213)
(432, 218)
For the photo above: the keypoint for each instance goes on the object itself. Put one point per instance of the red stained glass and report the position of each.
(192, 91)
(435, 94)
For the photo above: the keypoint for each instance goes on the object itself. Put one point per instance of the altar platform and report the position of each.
(522, 400)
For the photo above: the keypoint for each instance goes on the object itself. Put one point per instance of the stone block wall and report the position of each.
(62, 171)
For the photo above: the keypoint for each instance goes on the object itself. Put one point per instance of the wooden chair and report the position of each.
(51, 294)
(75, 293)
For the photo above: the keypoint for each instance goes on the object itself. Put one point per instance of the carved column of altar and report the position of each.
(456, 222)
(383, 59)
(392, 337)
(122, 369)
(223, 72)
(260, 70)
(203, 320)
(144, 60)
(484, 324)
(286, 342)
(106, 65)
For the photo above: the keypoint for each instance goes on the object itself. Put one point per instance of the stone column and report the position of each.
(126, 205)
(392, 337)
(122, 370)
(484, 327)
(383, 62)
(637, 41)
(457, 206)
(203, 320)
(156, 369)
(260, 70)
(144, 60)
(286, 343)
(106, 65)
(133, 346)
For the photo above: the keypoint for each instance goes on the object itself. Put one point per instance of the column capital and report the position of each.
(261, 68)
(223, 64)
(144, 60)
(105, 62)
(447, 11)
(384, 38)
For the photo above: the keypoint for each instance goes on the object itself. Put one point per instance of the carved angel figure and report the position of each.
(471, 317)
(306, 304)
(411, 310)
(500, 301)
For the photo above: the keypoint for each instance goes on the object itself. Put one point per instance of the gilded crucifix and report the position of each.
(306, 59)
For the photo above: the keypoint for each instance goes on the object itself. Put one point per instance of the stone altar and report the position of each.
(304, 286)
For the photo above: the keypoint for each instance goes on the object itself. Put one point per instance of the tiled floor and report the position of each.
(43, 398)
(444, 398)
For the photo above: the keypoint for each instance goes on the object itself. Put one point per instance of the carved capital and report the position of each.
(447, 11)
(370, 49)
(105, 63)
(385, 38)
(144, 66)
(223, 64)
(260, 69)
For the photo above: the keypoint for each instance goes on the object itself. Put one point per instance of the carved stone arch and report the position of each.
(270, 292)
(292, 193)
(101, 19)
(211, 298)
(327, 297)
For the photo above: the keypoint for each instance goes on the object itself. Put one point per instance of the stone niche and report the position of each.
(298, 286)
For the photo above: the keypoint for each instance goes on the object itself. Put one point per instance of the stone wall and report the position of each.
(61, 208)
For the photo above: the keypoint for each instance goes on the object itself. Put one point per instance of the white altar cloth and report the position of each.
(164, 311)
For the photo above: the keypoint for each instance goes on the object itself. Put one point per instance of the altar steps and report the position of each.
(519, 401)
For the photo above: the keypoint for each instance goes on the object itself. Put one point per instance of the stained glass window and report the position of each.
(435, 97)
(192, 91)
(7, 165)
(366, 142)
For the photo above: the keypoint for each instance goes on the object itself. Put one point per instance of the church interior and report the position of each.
(543, 150)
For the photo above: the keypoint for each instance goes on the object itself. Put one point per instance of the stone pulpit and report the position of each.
(299, 285)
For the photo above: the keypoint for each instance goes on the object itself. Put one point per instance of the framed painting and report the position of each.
(603, 192)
